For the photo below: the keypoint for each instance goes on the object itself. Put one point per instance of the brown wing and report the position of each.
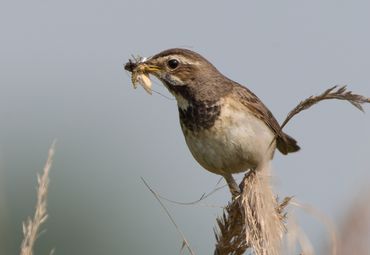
(284, 142)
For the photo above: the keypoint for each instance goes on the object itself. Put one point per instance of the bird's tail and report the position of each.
(286, 144)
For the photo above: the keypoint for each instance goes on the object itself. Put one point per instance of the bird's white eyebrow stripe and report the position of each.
(181, 59)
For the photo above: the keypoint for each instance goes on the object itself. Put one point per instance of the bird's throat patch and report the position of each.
(199, 115)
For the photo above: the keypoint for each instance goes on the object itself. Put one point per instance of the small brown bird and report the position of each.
(226, 127)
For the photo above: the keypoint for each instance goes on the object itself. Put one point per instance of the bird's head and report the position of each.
(182, 71)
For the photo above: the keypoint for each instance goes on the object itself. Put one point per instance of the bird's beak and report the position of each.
(147, 67)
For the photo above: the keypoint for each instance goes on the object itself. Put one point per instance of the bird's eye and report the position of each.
(173, 63)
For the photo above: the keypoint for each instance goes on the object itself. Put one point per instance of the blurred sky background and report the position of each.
(61, 76)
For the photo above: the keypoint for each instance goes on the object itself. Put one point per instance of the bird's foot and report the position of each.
(233, 186)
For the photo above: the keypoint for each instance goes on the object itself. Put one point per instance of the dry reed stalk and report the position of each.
(253, 221)
(32, 227)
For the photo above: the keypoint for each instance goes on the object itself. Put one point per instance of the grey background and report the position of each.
(61, 76)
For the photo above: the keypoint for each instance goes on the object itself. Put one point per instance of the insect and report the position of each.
(138, 75)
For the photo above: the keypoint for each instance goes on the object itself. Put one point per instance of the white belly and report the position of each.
(237, 142)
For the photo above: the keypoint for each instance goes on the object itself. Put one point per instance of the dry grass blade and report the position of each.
(185, 243)
(243, 224)
(32, 227)
(333, 93)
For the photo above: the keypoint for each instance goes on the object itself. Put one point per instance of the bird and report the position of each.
(227, 128)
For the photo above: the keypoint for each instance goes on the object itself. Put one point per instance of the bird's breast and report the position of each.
(226, 137)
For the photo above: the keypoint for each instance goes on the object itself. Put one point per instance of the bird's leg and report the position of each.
(233, 186)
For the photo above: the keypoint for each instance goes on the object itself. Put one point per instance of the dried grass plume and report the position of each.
(340, 93)
(31, 228)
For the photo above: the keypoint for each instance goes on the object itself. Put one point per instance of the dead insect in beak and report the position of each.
(139, 74)
(130, 65)
(143, 79)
